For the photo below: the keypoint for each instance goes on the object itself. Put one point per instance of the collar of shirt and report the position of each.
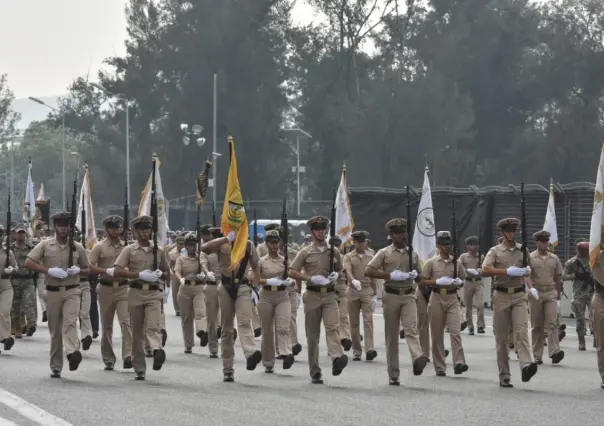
(392, 248)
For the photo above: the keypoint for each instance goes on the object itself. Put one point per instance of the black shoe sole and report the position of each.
(419, 365)
(127, 363)
(74, 360)
(371, 355)
(86, 343)
(253, 360)
(288, 361)
(8, 343)
(529, 372)
(159, 357)
(296, 349)
(338, 365)
(346, 344)
(557, 357)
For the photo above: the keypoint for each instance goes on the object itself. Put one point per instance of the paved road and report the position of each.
(189, 390)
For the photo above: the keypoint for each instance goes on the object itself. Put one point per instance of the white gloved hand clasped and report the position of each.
(319, 280)
(110, 272)
(333, 277)
(399, 276)
(274, 281)
(8, 270)
(413, 274)
(211, 277)
(148, 276)
(472, 271)
(445, 281)
(57, 273)
(231, 236)
(458, 282)
(288, 282)
(534, 292)
(182, 281)
(74, 270)
(514, 271)
(356, 284)
(201, 276)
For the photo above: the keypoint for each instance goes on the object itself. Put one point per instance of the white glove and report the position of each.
(166, 294)
(356, 284)
(201, 276)
(299, 300)
(110, 272)
(458, 282)
(254, 298)
(413, 274)
(514, 271)
(148, 276)
(399, 276)
(8, 270)
(445, 281)
(373, 303)
(473, 271)
(184, 252)
(528, 270)
(182, 281)
(333, 277)
(534, 292)
(57, 273)
(74, 270)
(211, 277)
(231, 236)
(157, 273)
(274, 281)
(319, 280)
(288, 282)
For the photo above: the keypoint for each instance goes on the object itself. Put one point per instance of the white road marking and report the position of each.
(5, 422)
(29, 410)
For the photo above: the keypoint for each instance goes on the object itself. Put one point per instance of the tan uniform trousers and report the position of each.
(293, 320)
(321, 307)
(544, 318)
(111, 301)
(510, 310)
(191, 300)
(256, 323)
(41, 284)
(274, 309)
(423, 323)
(344, 329)
(397, 308)
(212, 315)
(242, 308)
(6, 303)
(162, 326)
(85, 324)
(145, 308)
(597, 306)
(361, 302)
(444, 310)
(63, 310)
(473, 291)
(175, 290)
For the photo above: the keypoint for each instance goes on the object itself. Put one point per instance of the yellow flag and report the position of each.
(233, 213)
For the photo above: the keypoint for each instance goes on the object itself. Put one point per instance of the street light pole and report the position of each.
(299, 169)
(214, 131)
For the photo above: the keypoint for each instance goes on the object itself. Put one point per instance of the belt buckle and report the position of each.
(510, 290)
(192, 282)
(274, 288)
(443, 291)
(116, 284)
(323, 290)
(145, 286)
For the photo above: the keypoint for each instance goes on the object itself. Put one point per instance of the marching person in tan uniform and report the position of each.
(6, 294)
(85, 324)
(473, 289)
(341, 290)
(399, 301)
(235, 295)
(191, 274)
(597, 306)
(146, 294)
(546, 271)
(443, 307)
(362, 296)
(210, 291)
(504, 263)
(320, 300)
(173, 254)
(63, 294)
(274, 306)
(262, 248)
(112, 293)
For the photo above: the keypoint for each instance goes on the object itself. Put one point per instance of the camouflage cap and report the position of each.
(472, 240)
(509, 224)
(317, 222)
(20, 228)
(113, 221)
(271, 226)
(273, 236)
(397, 225)
(142, 222)
(542, 235)
(360, 236)
(180, 239)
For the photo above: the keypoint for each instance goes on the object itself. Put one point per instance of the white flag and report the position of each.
(424, 235)
(344, 222)
(41, 194)
(86, 205)
(144, 208)
(597, 217)
(30, 199)
(550, 217)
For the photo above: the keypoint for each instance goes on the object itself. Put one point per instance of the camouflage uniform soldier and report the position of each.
(578, 270)
(23, 280)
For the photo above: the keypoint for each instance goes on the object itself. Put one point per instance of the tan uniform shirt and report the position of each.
(543, 270)
(51, 254)
(262, 250)
(390, 259)
(437, 267)
(502, 257)
(104, 254)
(271, 267)
(224, 258)
(186, 266)
(137, 258)
(314, 260)
(471, 262)
(357, 262)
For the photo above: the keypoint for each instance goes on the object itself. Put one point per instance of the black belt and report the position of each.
(229, 280)
(444, 291)
(84, 279)
(273, 287)
(473, 279)
(59, 288)
(144, 286)
(5, 276)
(20, 277)
(510, 290)
(193, 282)
(211, 282)
(399, 291)
(321, 289)
(114, 284)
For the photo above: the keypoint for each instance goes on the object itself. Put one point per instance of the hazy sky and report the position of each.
(47, 43)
